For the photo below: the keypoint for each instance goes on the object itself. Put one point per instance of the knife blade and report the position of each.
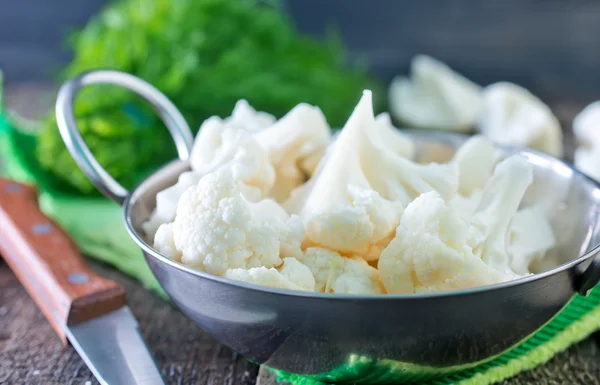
(83, 308)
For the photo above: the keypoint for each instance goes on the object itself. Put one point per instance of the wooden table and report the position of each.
(30, 352)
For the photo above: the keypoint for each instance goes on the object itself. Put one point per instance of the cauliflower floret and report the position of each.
(436, 249)
(475, 160)
(435, 97)
(394, 177)
(164, 242)
(218, 146)
(466, 206)
(587, 160)
(291, 243)
(336, 274)
(292, 275)
(166, 202)
(513, 116)
(531, 236)
(245, 117)
(347, 205)
(298, 273)
(398, 142)
(294, 145)
(215, 228)
(586, 127)
(432, 252)
(325, 265)
(358, 277)
(499, 204)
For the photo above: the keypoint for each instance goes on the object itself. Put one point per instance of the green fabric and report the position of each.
(96, 226)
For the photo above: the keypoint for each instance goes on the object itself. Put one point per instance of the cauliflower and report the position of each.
(513, 116)
(292, 275)
(398, 142)
(291, 243)
(355, 198)
(216, 228)
(435, 97)
(436, 249)
(166, 202)
(294, 145)
(336, 274)
(432, 251)
(466, 205)
(530, 237)
(218, 146)
(475, 160)
(164, 242)
(392, 176)
(245, 117)
(586, 127)
(500, 202)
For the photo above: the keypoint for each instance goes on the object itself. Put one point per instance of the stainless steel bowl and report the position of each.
(312, 333)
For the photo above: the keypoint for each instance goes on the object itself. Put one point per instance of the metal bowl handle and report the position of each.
(589, 278)
(65, 116)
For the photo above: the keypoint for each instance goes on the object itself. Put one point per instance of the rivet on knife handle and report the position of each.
(48, 264)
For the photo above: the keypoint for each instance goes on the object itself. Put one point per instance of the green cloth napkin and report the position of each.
(96, 226)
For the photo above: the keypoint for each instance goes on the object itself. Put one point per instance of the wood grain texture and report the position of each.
(30, 352)
(48, 263)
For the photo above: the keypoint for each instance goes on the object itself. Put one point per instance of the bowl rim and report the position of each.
(440, 137)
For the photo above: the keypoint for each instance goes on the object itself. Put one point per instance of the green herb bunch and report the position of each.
(204, 55)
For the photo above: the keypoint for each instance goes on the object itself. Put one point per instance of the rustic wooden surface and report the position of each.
(30, 352)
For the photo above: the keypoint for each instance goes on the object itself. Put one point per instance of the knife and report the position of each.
(82, 307)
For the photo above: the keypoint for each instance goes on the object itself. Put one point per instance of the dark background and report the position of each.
(551, 47)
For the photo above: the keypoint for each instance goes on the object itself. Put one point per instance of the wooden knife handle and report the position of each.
(48, 264)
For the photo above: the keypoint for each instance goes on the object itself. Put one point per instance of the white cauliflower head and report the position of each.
(432, 251)
(435, 97)
(531, 236)
(336, 274)
(339, 209)
(215, 228)
(436, 248)
(586, 127)
(164, 242)
(500, 201)
(244, 117)
(217, 146)
(513, 116)
(292, 275)
(166, 202)
(397, 141)
(294, 145)
(476, 160)
(355, 198)
(392, 176)
(466, 205)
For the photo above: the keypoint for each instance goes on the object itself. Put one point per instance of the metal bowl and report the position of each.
(314, 333)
